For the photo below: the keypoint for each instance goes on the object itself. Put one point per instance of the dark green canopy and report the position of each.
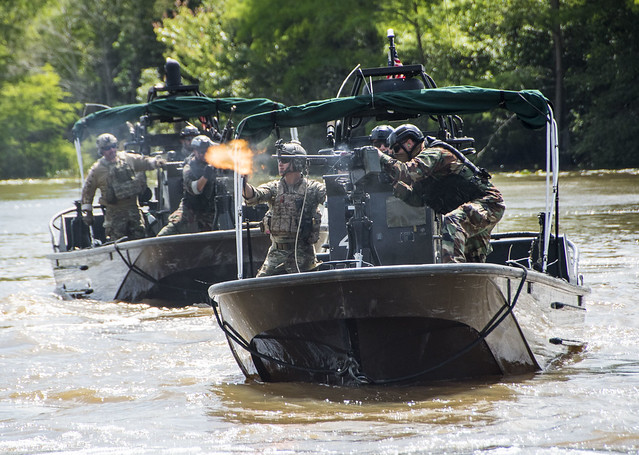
(176, 107)
(530, 106)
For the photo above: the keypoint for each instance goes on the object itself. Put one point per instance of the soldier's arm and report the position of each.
(430, 162)
(408, 194)
(141, 163)
(88, 190)
(248, 191)
(262, 193)
(321, 193)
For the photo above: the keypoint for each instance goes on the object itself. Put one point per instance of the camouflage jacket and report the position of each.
(99, 178)
(285, 207)
(439, 179)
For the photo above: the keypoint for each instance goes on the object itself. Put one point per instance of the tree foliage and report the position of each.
(100, 47)
(580, 54)
(34, 145)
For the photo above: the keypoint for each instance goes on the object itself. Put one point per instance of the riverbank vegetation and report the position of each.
(59, 58)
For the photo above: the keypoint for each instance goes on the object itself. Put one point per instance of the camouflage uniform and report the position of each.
(471, 206)
(196, 212)
(120, 184)
(282, 220)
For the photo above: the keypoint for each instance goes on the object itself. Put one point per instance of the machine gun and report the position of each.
(355, 170)
(367, 225)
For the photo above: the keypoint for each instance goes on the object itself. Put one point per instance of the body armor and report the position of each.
(123, 182)
(283, 218)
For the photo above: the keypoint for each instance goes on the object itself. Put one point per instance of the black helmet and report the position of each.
(294, 149)
(381, 133)
(401, 134)
(189, 131)
(202, 143)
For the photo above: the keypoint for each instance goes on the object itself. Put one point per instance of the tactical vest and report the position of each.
(123, 182)
(449, 192)
(284, 215)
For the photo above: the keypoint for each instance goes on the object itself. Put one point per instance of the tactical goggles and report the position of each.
(398, 148)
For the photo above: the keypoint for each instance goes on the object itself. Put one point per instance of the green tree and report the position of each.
(15, 17)
(299, 51)
(100, 47)
(602, 44)
(197, 39)
(35, 116)
(289, 51)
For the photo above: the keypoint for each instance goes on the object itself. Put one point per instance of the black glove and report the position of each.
(87, 218)
(209, 173)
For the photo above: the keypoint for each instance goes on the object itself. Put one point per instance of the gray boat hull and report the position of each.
(398, 324)
(166, 271)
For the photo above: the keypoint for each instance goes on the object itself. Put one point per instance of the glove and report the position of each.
(160, 163)
(87, 218)
(209, 172)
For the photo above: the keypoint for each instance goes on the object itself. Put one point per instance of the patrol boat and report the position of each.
(383, 309)
(171, 270)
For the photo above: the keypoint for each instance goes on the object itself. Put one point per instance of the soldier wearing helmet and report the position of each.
(186, 137)
(379, 137)
(196, 212)
(120, 178)
(442, 178)
(293, 219)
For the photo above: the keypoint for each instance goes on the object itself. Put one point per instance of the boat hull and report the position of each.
(166, 271)
(397, 324)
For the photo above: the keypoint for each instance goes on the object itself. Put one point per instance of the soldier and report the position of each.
(188, 133)
(442, 178)
(379, 137)
(196, 212)
(115, 175)
(293, 219)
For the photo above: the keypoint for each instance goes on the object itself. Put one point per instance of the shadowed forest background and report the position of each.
(57, 57)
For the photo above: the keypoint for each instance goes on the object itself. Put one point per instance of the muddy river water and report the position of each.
(89, 377)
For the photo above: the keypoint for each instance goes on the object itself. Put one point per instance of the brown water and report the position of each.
(92, 377)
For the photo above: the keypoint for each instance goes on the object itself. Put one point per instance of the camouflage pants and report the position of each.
(187, 221)
(280, 261)
(124, 222)
(466, 230)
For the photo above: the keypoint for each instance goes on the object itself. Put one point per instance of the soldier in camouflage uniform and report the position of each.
(117, 175)
(293, 219)
(452, 186)
(379, 137)
(196, 212)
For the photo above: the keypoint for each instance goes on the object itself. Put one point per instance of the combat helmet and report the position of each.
(401, 134)
(380, 133)
(201, 143)
(189, 131)
(106, 141)
(292, 151)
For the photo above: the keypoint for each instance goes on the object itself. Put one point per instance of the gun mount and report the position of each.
(367, 225)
